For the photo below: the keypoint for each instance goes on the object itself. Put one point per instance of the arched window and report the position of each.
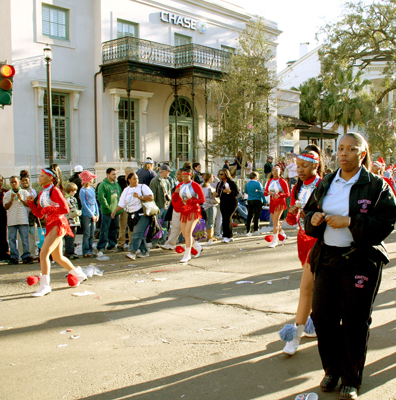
(181, 107)
(180, 142)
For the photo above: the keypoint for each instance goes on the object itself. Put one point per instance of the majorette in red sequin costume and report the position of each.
(53, 205)
(188, 201)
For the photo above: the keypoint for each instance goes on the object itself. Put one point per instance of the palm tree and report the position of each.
(343, 102)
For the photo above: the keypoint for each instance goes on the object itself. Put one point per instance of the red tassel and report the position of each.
(281, 237)
(179, 249)
(72, 280)
(268, 238)
(32, 280)
(193, 251)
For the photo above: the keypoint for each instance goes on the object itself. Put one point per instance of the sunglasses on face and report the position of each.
(221, 174)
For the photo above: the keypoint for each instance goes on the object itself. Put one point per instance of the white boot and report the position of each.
(198, 248)
(44, 286)
(187, 255)
(292, 346)
(282, 233)
(77, 272)
(274, 241)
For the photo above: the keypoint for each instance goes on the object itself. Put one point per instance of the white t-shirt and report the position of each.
(17, 214)
(130, 203)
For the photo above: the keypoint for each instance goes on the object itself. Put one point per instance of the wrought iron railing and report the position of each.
(145, 51)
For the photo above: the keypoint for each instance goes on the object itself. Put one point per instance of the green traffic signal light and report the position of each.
(7, 73)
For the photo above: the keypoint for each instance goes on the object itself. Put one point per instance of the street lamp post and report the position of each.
(321, 122)
(48, 59)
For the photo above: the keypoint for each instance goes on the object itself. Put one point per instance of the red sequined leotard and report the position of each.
(53, 205)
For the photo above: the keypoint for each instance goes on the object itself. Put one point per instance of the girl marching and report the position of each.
(278, 189)
(310, 170)
(53, 205)
(186, 200)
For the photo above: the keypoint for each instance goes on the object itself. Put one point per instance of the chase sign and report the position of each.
(184, 22)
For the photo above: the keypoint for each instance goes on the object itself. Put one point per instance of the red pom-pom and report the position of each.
(179, 249)
(72, 280)
(268, 238)
(193, 251)
(32, 280)
(281, 237)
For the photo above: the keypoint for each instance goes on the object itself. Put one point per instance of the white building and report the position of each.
(152, 58)
(297, 72)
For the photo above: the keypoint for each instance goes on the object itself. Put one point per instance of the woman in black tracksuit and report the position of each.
(228, 192)
(351, 212)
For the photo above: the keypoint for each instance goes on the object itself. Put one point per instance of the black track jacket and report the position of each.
(372, 209)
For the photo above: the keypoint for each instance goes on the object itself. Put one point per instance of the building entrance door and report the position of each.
(180, 131)
(180, 142)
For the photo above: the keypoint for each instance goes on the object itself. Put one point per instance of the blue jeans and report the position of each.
(138, 239)
(242, 210)
(211, 214)
(108, 232)
(69, 242)
(165, 226)
(88, 227)
(12, 239)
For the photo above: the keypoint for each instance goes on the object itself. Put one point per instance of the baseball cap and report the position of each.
(165, 167)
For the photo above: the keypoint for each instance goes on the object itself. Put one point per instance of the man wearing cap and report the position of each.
(146, 174)
(161, 188)
(75, 178)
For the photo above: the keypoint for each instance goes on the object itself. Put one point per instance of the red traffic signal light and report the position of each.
(6, 80)
(7, 71)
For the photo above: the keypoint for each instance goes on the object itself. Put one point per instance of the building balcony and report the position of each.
(151, 61)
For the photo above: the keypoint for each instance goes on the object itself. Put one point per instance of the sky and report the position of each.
(298, 19)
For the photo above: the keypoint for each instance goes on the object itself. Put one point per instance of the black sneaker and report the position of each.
(329, 383)
(120, 248)
(28, 260)
(348, 392)
(13, 261)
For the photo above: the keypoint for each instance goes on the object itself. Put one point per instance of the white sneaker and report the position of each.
(143, 255)
(44, 286)
(231, 240)
(248, 234)
(167, 247)
(257, 233)
(274, 242)
(187, 256)
(99, 254)
(266, 229)
(226, 240)
(218, 236)
(209, 242)
(132, 256)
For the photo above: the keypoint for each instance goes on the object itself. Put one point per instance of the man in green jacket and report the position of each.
(161, 188)
(109, 194)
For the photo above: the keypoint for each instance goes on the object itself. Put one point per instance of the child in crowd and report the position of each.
(90, 212)
(73, 218)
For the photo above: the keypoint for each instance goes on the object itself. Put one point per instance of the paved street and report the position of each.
(165, 331)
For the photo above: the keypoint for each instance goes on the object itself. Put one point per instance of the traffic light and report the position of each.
(7, 73)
